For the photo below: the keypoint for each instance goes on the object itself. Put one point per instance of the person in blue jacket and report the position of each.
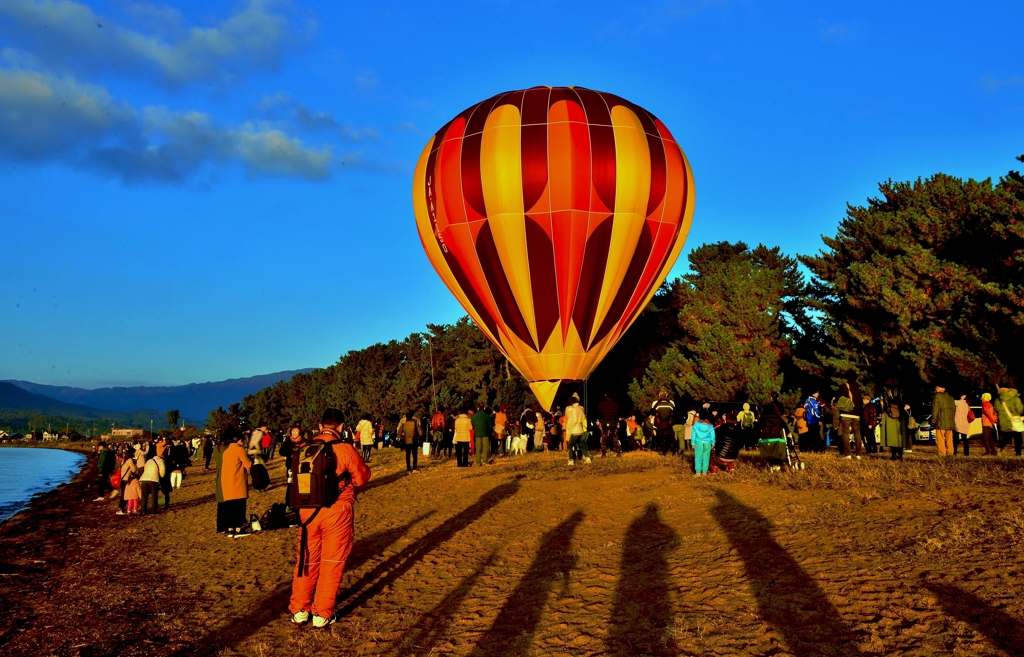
(814, 409)
(702, 437)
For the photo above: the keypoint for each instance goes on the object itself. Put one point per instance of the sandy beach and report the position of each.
(629, 556)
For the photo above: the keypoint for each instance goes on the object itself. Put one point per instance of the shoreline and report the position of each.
(40, 498)
(80, 483)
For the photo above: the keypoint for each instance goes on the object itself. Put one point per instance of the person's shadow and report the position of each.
(1004, 631)
(789, 599)
(388, 571)
(642, 612)
(433, 626)
(513, 630)
(274, 606)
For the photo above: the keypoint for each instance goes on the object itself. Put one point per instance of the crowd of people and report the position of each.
(324, 468)
(851, 422)
(139, 472)
(857, 424)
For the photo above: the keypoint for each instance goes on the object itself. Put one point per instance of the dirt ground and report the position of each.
(630, 556)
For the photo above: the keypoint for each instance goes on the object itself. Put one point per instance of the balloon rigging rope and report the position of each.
(430, 349)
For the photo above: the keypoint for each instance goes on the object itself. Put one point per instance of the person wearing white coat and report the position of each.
(367, 436)
(963, 425)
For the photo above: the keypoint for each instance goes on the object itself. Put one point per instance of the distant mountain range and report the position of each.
(195, 400)
(21, 408)
(14, 399)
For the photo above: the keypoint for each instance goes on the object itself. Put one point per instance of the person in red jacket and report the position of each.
(329, 534)
(989, 420)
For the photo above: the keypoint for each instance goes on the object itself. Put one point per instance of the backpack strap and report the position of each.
(303, 568)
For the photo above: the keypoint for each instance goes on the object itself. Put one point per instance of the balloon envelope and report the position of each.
(553, 214)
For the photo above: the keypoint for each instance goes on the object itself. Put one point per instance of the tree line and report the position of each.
(923, 283)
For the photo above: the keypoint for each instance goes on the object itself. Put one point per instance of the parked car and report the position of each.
(925, 431)
(975, 429)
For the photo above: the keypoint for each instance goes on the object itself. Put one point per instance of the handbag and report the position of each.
(1016, 423)
(115, 479)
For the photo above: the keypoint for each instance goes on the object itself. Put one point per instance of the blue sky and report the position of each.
(220, 189)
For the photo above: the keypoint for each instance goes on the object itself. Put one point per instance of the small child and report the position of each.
(702, 438)
(133, 493)
(802, 430)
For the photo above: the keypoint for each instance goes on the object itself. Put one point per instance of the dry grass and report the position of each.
(553, 466)
(878, 475)
(962, 532)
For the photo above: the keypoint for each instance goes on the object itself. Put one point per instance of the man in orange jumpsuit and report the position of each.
(329, 535)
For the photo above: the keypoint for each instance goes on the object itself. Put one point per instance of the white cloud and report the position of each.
(687, 8)
(834, 32)
(70, 35)
(282, 106)
(989, 83)
(42, 117)
(46, 117)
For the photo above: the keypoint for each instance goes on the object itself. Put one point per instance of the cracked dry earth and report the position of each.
(629, 556)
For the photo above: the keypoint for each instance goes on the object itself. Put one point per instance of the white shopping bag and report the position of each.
(426, 449)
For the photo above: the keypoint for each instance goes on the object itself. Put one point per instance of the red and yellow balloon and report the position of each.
(553, 214)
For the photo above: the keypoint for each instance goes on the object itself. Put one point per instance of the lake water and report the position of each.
(26, 471)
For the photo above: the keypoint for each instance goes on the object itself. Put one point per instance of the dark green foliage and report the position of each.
(925, 283)
(388, 380)
(173, 417)
(220, 419)
(737, 314)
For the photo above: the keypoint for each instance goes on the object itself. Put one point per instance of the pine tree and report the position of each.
(738, 312)
(926, 283)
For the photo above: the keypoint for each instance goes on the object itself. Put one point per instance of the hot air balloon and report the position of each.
(553, 214)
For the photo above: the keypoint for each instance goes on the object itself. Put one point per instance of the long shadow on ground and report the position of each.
(1003, 630)
(432, 627)
(385, 573)
(513, 630)
(642, 614)
(789, 599)
(273, 606)
(383, 481)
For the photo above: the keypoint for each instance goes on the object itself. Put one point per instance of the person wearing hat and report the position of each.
(989, 420)
(576, 428)
(664, 436)
(944, 420)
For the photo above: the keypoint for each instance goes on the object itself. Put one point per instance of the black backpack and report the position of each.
(314, 476)
(260, 476)
(278, 517)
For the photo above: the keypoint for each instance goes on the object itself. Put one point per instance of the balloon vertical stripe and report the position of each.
(553, 214)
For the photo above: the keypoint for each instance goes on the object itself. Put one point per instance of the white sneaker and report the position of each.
(847, 457)
(324, 622)
(101, 498)
(586, 459)
(858, 458)
(571, 462)
(120, 513)
(300, 617)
